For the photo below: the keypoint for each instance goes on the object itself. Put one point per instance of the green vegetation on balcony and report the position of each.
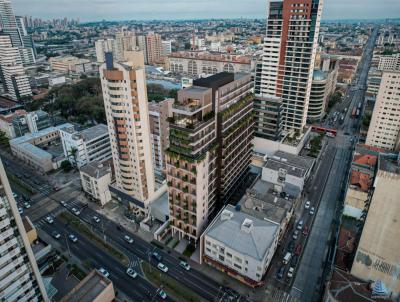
(179, 133)
(185, 178)
(185, 190)
(176, 155)
(243, 122)
(231, 110)
(208, 116)
(181, 149)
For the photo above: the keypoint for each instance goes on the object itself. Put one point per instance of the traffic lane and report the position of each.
(86, 251)
(202, 285)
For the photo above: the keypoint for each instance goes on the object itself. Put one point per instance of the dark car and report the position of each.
(156, 256)
(291, 246)
(298, 249)
(281, 272)
(294, 260)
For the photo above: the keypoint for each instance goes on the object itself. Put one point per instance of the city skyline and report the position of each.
(96, 10)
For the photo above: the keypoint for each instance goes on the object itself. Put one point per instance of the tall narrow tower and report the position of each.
(125, 101)
(288, 59)
(20, 279)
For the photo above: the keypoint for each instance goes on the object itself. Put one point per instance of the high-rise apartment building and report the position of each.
(12, 74)
(103, 46)
(210, 149)
(126, 105)
(20, 279)
(154, 48)
(159, 130)
(288, 57)
(15, 29)
(384, 129)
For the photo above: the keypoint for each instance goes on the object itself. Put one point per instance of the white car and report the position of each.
(300, 225)
(131, 273)
(56, 235)
(104, 272)
(20, 210)
(15, 195)
(295, 234)
(184, 265)
(307, 205)
(96, 219)
(162, 294)
(27, 205)
(49, 219)
(73, 238)
(75, 211)
(63, 203)
(290, 272)
(162, 267)
(128, 239)
(312, 211)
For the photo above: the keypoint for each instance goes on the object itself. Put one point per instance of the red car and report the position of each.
(298, 250)
(305, 231)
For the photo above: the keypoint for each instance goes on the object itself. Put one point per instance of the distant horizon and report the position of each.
(125, 10)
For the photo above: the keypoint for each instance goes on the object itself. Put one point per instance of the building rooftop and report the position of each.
(8, 105)
(88, 289)
(94, 132)
(211, 56)
(31, 136)
(362, 180)
(215, 81)
(319, 75)
(294, 164)
(389, 165)
(262, 202)
(96, 169)
(10, 116)
(243, 233)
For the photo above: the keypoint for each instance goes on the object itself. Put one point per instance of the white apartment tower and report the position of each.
(288, 59)
(384, 129)
(20, 279)
(12, 74)
(126, 105)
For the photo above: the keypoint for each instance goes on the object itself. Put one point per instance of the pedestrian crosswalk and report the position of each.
(278, 295)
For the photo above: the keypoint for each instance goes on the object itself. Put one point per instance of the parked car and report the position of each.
(287, 258)
(128, 239)
(294, 261)
(296, 234)
(20, 210)
(312, 211)
(280, 272)
(56, 235)
(75, 211)
(131, 272)
(300, 225)
(291, 246)
(96, 219)
(49, 219)
(162, 294)
(185, 265)
(15, 195)
(290, 272)
(27, 205)
(299, 247)
(307, 205)
(56, 188)
(63, 203)
(104, 272)
(162, 267)
(156, 256)
(305, 231)
(73, 238)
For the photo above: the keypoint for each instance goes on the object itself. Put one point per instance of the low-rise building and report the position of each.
(82, 147)
(95, 178)
(240, 244)
(287, 172)
(68, 64)
(93, 288)
(31, 148)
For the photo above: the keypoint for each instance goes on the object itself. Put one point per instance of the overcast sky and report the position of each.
(90, 10)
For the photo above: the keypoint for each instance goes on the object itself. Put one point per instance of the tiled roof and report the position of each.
(362, 180)
(367, 160)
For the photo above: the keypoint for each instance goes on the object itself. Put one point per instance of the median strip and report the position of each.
(172, 287)
(82, 229)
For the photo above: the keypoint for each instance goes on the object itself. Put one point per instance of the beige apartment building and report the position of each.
(377, 256)
(197, 63)
(126, 105)
(384, 129)
(210, 149)
(154, 48)
(159, 113)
